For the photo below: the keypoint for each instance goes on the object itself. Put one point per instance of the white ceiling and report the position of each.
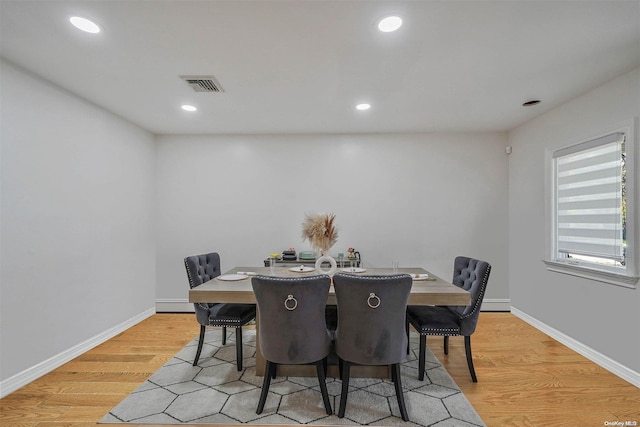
(299, 66)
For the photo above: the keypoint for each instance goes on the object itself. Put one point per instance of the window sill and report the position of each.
(592, 274)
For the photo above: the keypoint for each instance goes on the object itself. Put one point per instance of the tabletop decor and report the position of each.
(321, 232)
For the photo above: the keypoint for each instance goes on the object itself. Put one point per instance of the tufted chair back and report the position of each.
(201, 269)
(471, 275)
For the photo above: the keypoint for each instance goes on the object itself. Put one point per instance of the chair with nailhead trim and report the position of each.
(371, 327)
(469, 274)
(201, 269)
(292, 327)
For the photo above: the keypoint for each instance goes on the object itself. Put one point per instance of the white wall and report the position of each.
(81, 190)
(598, 317)
(77, 212)
(421, 199)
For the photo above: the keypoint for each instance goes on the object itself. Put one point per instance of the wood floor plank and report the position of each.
(76, 424)
(70, 387)
(525, 378)
(11, 415)
(87, 414)
(107, 357)
(77, 400)
(90, 376)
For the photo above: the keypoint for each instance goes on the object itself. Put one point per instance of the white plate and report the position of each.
(232, 277)
(301, 269)
(420, 277)
(353, 270)
(247, 273)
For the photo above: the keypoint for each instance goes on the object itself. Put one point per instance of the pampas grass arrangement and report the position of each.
(320, 231)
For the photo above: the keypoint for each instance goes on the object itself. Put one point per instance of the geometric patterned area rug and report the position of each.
(214, 392)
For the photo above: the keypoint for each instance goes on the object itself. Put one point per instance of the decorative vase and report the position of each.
(330, 260)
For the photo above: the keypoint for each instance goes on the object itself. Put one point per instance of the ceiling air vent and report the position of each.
(203, 83)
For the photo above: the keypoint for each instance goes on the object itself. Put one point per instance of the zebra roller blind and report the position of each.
(589, 217)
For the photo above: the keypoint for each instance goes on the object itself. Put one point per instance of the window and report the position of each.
(591, 212)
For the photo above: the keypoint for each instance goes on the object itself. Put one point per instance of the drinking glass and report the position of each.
(395, 265)
(272, 266)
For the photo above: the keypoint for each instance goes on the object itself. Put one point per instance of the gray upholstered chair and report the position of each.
(292, 326)
(469, 274)
(371, 326)
(201, 269)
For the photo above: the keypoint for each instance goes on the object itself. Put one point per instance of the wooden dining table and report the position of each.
(425, 291)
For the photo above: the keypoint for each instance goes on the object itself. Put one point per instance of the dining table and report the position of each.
(234, 286)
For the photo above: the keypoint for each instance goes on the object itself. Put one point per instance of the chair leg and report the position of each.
(422, 356)
(446, 344)
(408, 341)
(266, 382)
(399, 393)
(322, 380)
(239, 348)
(346, 367)
(200, 342)
(467, 348)
(224, 335)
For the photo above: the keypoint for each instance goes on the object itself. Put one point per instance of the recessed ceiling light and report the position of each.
(84, 24)
(389, 23)
(187, 107)
(363, 107)
(531, 103)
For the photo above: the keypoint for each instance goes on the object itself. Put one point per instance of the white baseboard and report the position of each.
(23, 378)
(496, 304)
(184, 306)
(174, 306)
(591, 354)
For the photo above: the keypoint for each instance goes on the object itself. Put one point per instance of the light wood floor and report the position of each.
(525, 378)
